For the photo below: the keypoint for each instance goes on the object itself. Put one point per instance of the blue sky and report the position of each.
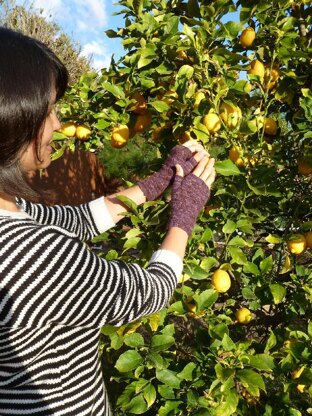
(86, 21)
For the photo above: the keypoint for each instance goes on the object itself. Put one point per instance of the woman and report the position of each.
(55, 294)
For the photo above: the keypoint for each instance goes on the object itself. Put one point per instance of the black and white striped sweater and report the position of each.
(55, 294)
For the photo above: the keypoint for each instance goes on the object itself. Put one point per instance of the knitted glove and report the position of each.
(189, 196)
(153, 186)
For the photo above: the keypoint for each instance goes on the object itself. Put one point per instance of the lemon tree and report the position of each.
(235, 76)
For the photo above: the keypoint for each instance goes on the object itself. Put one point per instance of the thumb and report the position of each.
(179, 170)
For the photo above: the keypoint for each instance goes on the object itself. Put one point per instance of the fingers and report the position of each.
(179, 171)
(194, 146)
(209, 173)
(205, 170)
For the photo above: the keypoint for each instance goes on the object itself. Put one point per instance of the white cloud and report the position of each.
(98, 51)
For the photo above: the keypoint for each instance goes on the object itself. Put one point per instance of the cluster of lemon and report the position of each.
(298, 243)
(221, 281)
(121, 132)
(80, 131)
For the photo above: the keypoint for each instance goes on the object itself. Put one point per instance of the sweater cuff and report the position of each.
(170, 258)
(101, 215)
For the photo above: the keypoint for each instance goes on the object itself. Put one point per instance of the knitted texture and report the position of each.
(153, 186)
(189, 195)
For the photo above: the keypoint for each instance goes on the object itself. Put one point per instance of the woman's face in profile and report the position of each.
(29, 160)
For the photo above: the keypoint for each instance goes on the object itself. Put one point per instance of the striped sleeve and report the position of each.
(85, 221)
(51, 277)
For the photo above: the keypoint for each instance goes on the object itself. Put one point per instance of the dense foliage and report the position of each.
(187, 71)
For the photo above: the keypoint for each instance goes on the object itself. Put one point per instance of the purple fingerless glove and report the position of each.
(153, 186)
(189, 196)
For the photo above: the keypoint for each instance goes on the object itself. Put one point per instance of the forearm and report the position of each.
(116, 207)
(175, 241)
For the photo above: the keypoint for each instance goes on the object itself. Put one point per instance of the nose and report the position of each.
(56, 122)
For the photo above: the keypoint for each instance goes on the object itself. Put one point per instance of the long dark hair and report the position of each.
(29, 71)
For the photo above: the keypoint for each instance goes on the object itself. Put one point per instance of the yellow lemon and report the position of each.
(212, 122)
(235, 157)
(301, 387)
(69, 129)
(247, 37)
(304, 167)
(198, 98)
(230, 114)
(191, 304)
(243, 315)
(271, 76)
(297, 243)
(169, 97)
(221, 281)
(270, 126)
(142, 122)
(297, 373)
(83, 132)
(308, 237)
(120, 136)
(140, 105)
(256, 68)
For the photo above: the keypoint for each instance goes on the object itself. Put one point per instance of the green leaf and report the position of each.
(129, 203)
(264, 189)
(168, 407)
(58, 153)
(262, 361)
(237, 255)
(134, 232)
(193, 9)
(229, 227)
(160, 106)
(271, 342)
(278, 292)
(147, 55)
(137, 405)
(161, 342)
(187, 372)
(132, 242)
(166, 392)
(196, 272)
(266, 264)
(186, 71)
(138, 6)
(231, 29)
(149, 394)
(156, 360)
(223, 373)
(227, 168)
(201, 132)
(168, 377)
(228, 344)
(250, 378)
(238, 242)
(274, 239)
(205, 299)
(229, 405)
(251, 268)
(114, 89)
(208, 263)
(128, 361)
(134, 340)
